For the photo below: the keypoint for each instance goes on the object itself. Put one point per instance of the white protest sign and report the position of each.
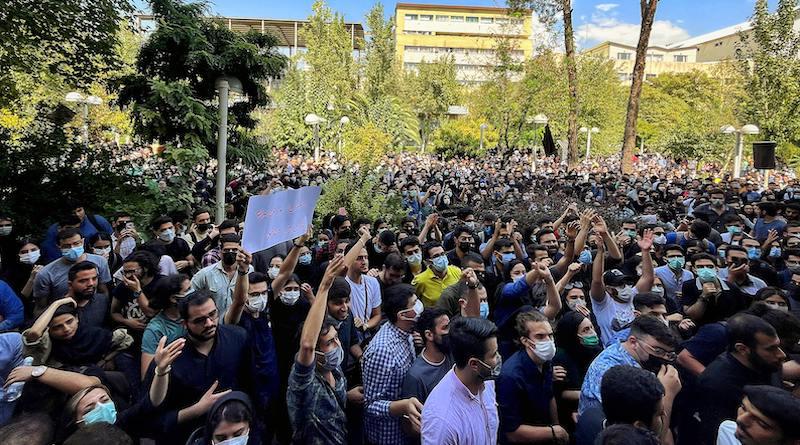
(278, 217)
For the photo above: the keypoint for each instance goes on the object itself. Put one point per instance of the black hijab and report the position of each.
(566, 334)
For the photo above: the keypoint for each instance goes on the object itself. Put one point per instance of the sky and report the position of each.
(595, 21)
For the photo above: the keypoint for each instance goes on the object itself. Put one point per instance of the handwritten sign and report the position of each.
(278, 217)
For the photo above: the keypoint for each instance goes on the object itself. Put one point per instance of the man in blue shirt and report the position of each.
(11, 311)
(525, 398)
(87, 224)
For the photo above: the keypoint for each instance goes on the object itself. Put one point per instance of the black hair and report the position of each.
(196, 298)
(523, 318)
(626, 434)
(65, 309)
(427, 247)
(700, 229)
(427, 320)
(146, 260)
(67, 233)
(462, 229)
(28, 429)
(227, 224)
(472, 257)
(409, 241)
(378, 222)
(80, 267)
(200, 211)
(395, 299)
(505, 243)
(770, 208)
(786, 325)
(387, 237)
(464, 212)
(340, 289)
(363, 222)
(98, 236)
(70, 219)
(731, 218)
(231, 411)
(734, 248)
(630, 394)
(99, 433)
(544, 232)
(707, 256)
(468, 337)
(257, 277)
(229, 238)
(160, 221)
(394, 261)
(646, 325)
(742, 328)
(164, 289)
(769, 291)
(337, 222)
(669, 247)
(647, 300)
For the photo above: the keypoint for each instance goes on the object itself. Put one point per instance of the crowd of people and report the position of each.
(514, 303)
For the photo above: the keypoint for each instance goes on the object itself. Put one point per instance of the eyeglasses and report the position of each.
(131, 271)
(666, 355)
(200, 321)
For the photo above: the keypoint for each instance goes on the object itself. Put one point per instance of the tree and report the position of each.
(768, 59)
(430, 91)
(462, 137)
(366, 145)
(381, 67)
(72, 39)
(172, 94)
(648, 8)
(548, 12)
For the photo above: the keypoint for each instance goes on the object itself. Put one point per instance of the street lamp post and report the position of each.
(483, 128)
(589, 138)
(745, 130)
(342, 122)
(313, 120)
(224, 85)
(539, 119)
(76, 97)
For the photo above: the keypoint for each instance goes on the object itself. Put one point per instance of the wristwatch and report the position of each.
(38, 371)
(136, 293)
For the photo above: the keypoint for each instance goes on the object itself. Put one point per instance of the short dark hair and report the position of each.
(227, 224)
(630, 394)
(700, 229)
(196, 298)
(778, 405)
(67, 233)
(164, 289)
(337, 221)
(409, 241)
(340, 289)
(159, 221)
(523, 318)
(626, 434)
(146, 260)
(544, 232)
(428, 246)
(734, 248)
(199, 211)
(472, 257)
(742, 328)
(786, 326)
(229, 238)
(28, 429)
(647, 300)
(99, 433)
(427, 320)
(464, 212)
(80, 267)
(646, 325)
(394, 261)
(669, 247)
(395, 299)
(467, 338)
(462, 229)
(257, 277)
(705, 256)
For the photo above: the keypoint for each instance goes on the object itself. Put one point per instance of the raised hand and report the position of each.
(573, 268)
(166, 354)
(647, 240)
(209, 398)
(586, 218)
(364, 234)
(600, 227)
(243, 260)
(572, 229)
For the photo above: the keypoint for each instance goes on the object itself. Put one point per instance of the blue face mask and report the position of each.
(753, 253)
(72, 254)
(775, 252)
(102, 412)
(585, 257)
(706, 274)
(441, 263)
(305, 259)
(734, 230)
(484, 309)
(508, 257)
(676, 263)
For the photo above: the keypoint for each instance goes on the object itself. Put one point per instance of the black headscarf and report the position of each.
(87, 347)
(208, 432)
(567, 339)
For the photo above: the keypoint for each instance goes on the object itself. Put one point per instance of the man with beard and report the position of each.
(93, 308)
(216, 356)
(464, 244)
(434, 361)
(754, 355)
(220, 278)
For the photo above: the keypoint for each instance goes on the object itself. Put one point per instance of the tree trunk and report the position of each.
(629, 139)
(572, 82)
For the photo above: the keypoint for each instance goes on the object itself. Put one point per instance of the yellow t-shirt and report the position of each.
(429, 286)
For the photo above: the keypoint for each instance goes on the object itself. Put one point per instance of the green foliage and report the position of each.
(358, 193)
(430, 91)
(366, 145)
(462, 137)
(769, 60)
(172, 93)
(381, 68)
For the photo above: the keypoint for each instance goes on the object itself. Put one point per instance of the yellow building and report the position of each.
(660, 59)
(469, 34)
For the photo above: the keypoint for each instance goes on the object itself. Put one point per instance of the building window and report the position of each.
(680, 58)
(456, 18)
(442, 18)
(487, 20)
(501, 21)
(623, 56)
(655, 57)
(425, 18)
(411, 16)
(472, 20)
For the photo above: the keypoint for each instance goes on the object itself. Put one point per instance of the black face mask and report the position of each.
(203, 227)
(345, 233)
(653, 364)
(229, 258)
(481, 276)
(122, 226)
(444, 345)
(466, 247)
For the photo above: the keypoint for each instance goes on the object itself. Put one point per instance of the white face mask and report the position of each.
(273, 272)
(30, 257)
(290, 297)
(545, 350)
(256, 304)
(572, 304)
(239, 440)
(625, 293)
(104, 252)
